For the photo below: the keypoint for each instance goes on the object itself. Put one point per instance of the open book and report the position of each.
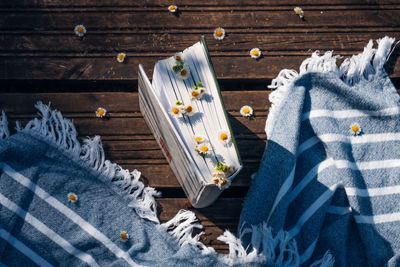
(184, 109)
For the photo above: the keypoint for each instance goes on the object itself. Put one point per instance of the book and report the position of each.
(184, 109)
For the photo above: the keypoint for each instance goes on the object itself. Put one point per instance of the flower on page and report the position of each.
(121, 57)
(299, 12)
(224, 137)
(226, 169)
(220, 180)
(199, 139)
(178, 58)
(80, 30)
(173, 8)
(355, 129)
(255, 53)
(189, 110)
(101, 112)
(246, 111)
(72, 197)
(219, 33)
(178, 109)
(198, 91)
(124, 236)
(203, 149)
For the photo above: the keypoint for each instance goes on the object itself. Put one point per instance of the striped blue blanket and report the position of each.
(329, 181)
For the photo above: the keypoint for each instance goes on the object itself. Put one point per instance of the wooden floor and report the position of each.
(42, 59)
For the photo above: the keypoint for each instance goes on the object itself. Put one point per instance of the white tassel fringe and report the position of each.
(359, 67)
(4, 132)
(61, 133)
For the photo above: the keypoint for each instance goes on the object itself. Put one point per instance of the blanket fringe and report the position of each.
(4, 132)
(326, 261)
(363, 66)
(61, 133)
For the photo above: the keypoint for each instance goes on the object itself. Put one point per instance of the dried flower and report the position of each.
(72, 197)
(255, 53)
(101, 112)
(246, 111)
(219, 33)
(80, 30)
(355, 129)
(121, 57)
(299, 12)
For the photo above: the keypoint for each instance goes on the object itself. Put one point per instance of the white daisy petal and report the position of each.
(199, 139)
(121, 57)
(299, 12)
(255, 53)
(246, 111)
(80, 30)
(101, 112)
(179, 57)
(355, 129)
(173, 8)
(224, 137)
(203, 149)
(219, 33)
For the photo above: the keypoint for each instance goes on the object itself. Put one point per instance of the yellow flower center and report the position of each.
(72, 197)
(255, 53)
(175, 110)
(121, 56)
(124, 236)
(178, 58)
(204, 148)
(199, 139)
(223, 136)
(224, 182)
(189, 109)
(80, 30)
(173, 7)
(195, 94)
(218, 33)
(100, 112)
(246, 110)
(298, 11)
(354, 128)
(183, 72)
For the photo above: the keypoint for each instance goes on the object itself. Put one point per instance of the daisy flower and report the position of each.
(224, 137)
(72, 197)
(101, 112)
(203, 149)
(199, 139)
(299, 12)
(219, 33)
(220, 180)
(189, 110)
(124, 236)
(198, 91)
(173, 8)
(80, 30)
(255, 53)
(121, 57)
(178, 109)
(355, 129)
(182, 71)
(246, 111)
(178, 57)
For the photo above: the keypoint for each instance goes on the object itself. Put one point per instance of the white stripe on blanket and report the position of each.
(363, 139)
(32, 255)
(41, 227)
(350, 113)
(70, 214)
(375, 219)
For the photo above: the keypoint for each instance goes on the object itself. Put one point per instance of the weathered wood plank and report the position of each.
(114, 102)
(43, 19)
(146, 42)
(107, 68)
(184, 3)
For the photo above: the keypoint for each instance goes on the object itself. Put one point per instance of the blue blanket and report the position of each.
(329, 180)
